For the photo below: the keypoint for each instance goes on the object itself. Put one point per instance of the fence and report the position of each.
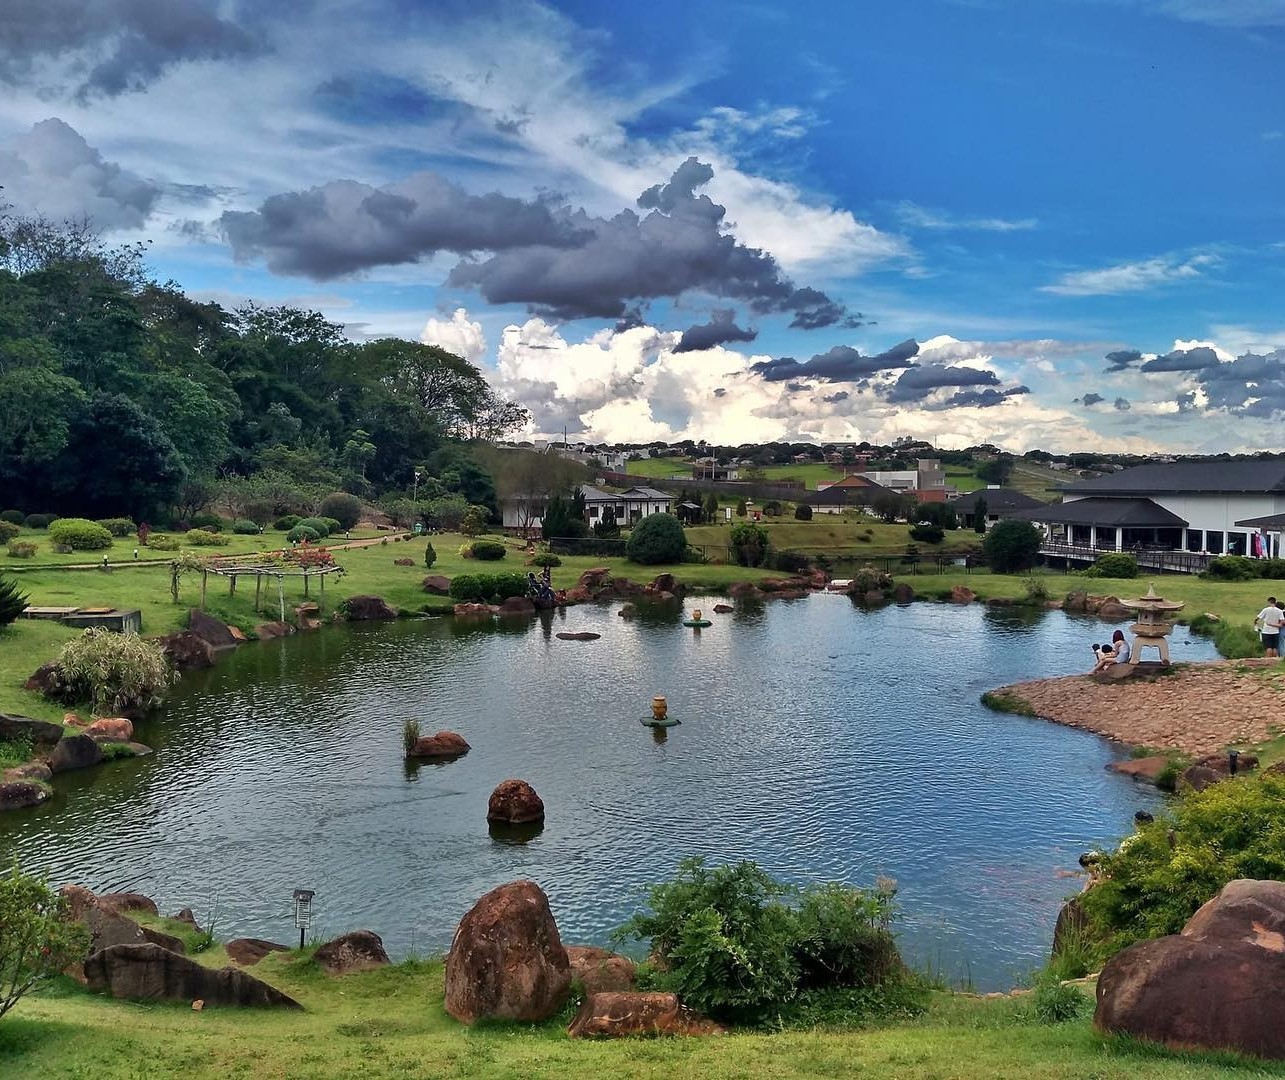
(1163, 559)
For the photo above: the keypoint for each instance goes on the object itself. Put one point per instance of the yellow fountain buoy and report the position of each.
(696, 619)
(659, 717)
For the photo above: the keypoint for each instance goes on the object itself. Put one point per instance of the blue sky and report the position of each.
(1020, 188)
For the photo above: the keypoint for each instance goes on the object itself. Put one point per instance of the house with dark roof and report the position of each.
(998, 503)
(628, 507)
(1214, 507)
(850, 493)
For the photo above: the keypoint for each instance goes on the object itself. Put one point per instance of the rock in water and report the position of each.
(507, 961)
(445, 744)
(75, 752)
(359, 950)
(366, 608)
(613, 1015)
(150, 973)
(213, 631)
(111, 729)
(514, 802)
(188, 651)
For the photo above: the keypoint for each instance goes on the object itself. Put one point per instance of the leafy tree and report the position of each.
(38, 939)
(940, 514)
(996, 471)
(803, 512)
(749, 543)
(343, 507)
(888, 506)
(711, 507)
(1012, 546)
(474, 521)
(12, 602)
(979, 514)
(657, 538)
(607, 528)
(740, 508)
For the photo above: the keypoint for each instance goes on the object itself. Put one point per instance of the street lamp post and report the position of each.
(415, 489)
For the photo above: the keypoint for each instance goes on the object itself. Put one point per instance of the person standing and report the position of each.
(1268, 623)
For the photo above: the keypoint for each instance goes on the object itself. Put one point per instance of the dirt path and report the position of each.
(1199, 709)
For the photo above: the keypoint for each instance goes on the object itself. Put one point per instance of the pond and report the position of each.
(822, 740)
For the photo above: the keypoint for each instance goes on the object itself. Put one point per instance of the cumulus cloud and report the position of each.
(1121, 359)
(108, 47)
(980, 399)
(1090, 399)
(52, 170)
(840, 364)
(1131, 277)
(459, 335)
(720, 330)
(1122, 404)
(916, 383)
(1183, 360)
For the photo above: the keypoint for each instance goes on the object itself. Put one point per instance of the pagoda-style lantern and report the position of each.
(1153, 624)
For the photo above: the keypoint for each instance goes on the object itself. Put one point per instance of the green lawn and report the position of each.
(849, 535)
(390, 1023)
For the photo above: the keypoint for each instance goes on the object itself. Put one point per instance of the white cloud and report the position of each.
(459, 335)
(1237, 14)
(921, 217)
(1131, 277)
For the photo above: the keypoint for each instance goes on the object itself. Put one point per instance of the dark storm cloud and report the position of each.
(1122, 404)
(720, 329)
(114, 46)
(796, 387)
(840, 364)
(1122, 358)
(720, 391)
(1090, 399)
(1183, 360)
(345, 226)
(631, 319)
(834, 399)
(981, 399)
(917, 383)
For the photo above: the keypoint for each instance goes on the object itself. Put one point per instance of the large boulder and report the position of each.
(110, 729)
(269, 630)
(599, 970)
(121, 902)
(514, 802)
(517, 605)
(595, 578)
(44, 679)
(19, 794)
(445, 744)
(40, 733)
(962, 594)
(150, 973)
(1219, 985)
(359, 950)
(74, 752)
(187, 651)
(249, 951)
(368, 608)
(1198, 777)
(614, 1015)
(437, 585)
(212, 631)
(1114, 611)
(506, 960)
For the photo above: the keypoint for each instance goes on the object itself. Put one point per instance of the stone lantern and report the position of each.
(1154, 624)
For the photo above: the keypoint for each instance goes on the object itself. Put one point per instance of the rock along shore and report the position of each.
(1197, 708)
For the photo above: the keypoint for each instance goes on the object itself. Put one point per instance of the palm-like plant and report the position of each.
(12, 601)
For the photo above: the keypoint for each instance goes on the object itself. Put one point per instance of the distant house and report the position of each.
(709, 469)
(1000, 502)
(1217, 507)
(850, 493)
(525, 513)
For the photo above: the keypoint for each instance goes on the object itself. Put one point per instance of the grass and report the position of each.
(390, 1023)
(848, 536)
(1007, 702)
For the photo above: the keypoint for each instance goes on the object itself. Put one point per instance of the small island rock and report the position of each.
(442, 745)
(514, 802)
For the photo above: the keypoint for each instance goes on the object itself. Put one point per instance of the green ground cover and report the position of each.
(836, 535)
(390, 1023)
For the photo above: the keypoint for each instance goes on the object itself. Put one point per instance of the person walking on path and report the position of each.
(1268, 623)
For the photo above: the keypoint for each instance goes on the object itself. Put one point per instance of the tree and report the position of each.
(608, 528)
(749, 543)
(711, 507)
(658, 538)
(38, 939)
(803, 512)
(979, 514)
(888, 506)
(996, 471)
(1012, 546)
(940, 514)
(740, 508)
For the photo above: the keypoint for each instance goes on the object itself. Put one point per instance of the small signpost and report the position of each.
(303, 911)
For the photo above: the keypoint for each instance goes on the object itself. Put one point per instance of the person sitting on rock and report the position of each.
(1115, 653)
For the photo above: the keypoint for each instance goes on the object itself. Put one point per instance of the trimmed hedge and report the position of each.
(200, 521)
(21, 549)
(201, 538)
(245, 527)
(40, 521)
(8, 531)
(118, 526)
(490, 587)
(79, 534)
(488, 550)
(303, 532)
(14, 517)
(286, 523)
(161, 542)
(343, 507)
(318, 525)
(657, 539)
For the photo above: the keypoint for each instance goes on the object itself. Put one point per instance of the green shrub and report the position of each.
(21, 549)
(1231, 568)
(286, 523)
(206, 520)
(79, 534)
(788, 562)
(303, 532)
(38, 939)
(344, 508)
(119, 526)
(803, 512)
(1055, 1002)
(488, 550)
(927, 533)
(430, 554)
(12, 602)
(201, 538)
(1235, 641)
(332, 524)
(8, 531)
(1012, 546)
(546, 558)
(657, 539)
(318, 525)
(1036, 592)
(772, 508)
(161, 542)
(871, 579)
(410, 735)
(749, 543)
(245, 527)
(1115, 564)
(14, 517)
(508, 583)
(843, 936)
(1154, 882)
(115, 673)
(40, 521)
(466, 587)
(474, 520)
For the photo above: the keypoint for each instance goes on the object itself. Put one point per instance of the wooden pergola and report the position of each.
(268, 571)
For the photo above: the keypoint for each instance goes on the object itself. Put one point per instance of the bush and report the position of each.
(430, 554)
(657, 539)
(1116, 564)
(803, 512)
(316, 524)
(844, 936)
(749, 543)
(38, 939)
(119, 526)
(871, 579)
(21, 549)
(1036, 592)
(788, 562)
(161, 542)
(1271, 568)
(474, 520)
(1231, 568)
(245, 527)
(502, 586)
(546, 558)
(286, 523)
(206, 520)
(1012, 546)
(343, 507)
(928, 533)
(14, 517)
(79, 534)
(332, 524)
(40, 521)
(303, 532)
(115, 673)
(772, 508)
(466, 587)
(1056, 1002)
(8, 531)
(740, 508)
(12, 602)
(488, 550)
(1154, 882)
(201, 538)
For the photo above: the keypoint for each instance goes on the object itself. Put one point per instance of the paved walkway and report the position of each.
(1199, 709)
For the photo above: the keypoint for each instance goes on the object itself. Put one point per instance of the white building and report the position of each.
(629, 507)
